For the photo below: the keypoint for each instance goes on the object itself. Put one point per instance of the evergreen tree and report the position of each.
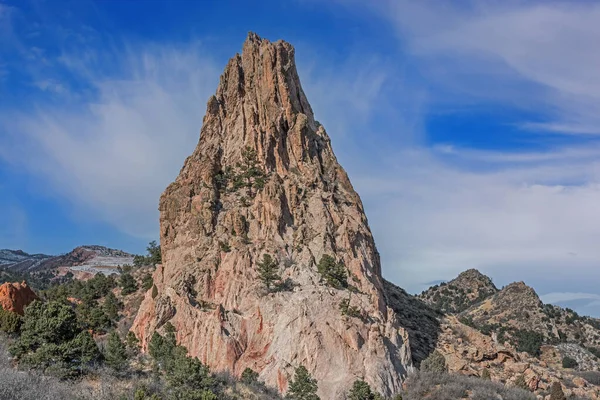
(361, 391)
(333, 272)
(128, 284)
(133, 344)
(267, 271)
(304, 386)
(115, 353)
(112, 306)
(249, 172)
(154, 253)
(249, 376)
(189, 379)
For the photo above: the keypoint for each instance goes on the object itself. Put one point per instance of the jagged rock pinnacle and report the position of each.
(264, 180)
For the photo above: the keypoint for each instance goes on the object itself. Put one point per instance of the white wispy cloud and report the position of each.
(540, 56)
(111, 154)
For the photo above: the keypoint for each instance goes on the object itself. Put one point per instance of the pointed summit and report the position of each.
(263, 187)
(468, 288)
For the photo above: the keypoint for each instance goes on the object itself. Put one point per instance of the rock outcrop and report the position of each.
(468, 288)
(16, 296)
(263, 179)
(467, 351)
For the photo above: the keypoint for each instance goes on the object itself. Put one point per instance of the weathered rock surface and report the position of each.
(16, 296)
(214, 233)
(467, 351)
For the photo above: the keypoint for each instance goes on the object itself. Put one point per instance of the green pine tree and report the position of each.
(361, 391)
(115, 353)
(304, 386)
(268, 271)
(112, 306)
(128, 284)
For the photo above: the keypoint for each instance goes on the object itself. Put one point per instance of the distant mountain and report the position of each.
(470, 287)
(90, 258)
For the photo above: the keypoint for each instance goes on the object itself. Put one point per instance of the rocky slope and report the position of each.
(510, 332)
(16, 296)
(470, 287)
(90, 258)
(470, 352)
(264, 180)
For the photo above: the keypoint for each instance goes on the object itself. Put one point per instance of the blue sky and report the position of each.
(470, 129)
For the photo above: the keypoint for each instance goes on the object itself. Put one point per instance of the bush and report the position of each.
(147, 282)
(435, 362)
(485, 374)
(304, 386)
(348, 310)
(529, 341)
(249, 376)
(10, 322)
(568, 362)
(521, 383)
(334, 273)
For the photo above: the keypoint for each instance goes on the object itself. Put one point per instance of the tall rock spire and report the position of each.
(263, 179)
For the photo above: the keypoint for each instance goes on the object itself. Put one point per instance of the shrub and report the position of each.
(435, 362)
(568, 362)
(347, 309)
(10, 322)
(521, 383)
(333, 272)
(529, 341)
(147, 282)
(485, 374)
(304, 386)
(249, 376)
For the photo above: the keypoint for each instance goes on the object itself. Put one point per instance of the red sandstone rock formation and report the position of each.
(16, 296)
(213, 235)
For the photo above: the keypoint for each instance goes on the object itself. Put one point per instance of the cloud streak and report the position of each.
(540, 56)
(113, 154)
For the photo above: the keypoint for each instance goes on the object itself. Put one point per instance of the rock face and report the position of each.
(16, 296)
(264, 180)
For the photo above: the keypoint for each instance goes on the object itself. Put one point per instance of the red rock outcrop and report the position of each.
(16, 296)
(216, 226)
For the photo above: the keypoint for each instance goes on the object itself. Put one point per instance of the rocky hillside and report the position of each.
(513, 335)
(84, 258)
(470, 352)
(268, 259)
(470, 287)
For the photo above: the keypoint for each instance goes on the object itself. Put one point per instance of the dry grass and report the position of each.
(434, 386)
